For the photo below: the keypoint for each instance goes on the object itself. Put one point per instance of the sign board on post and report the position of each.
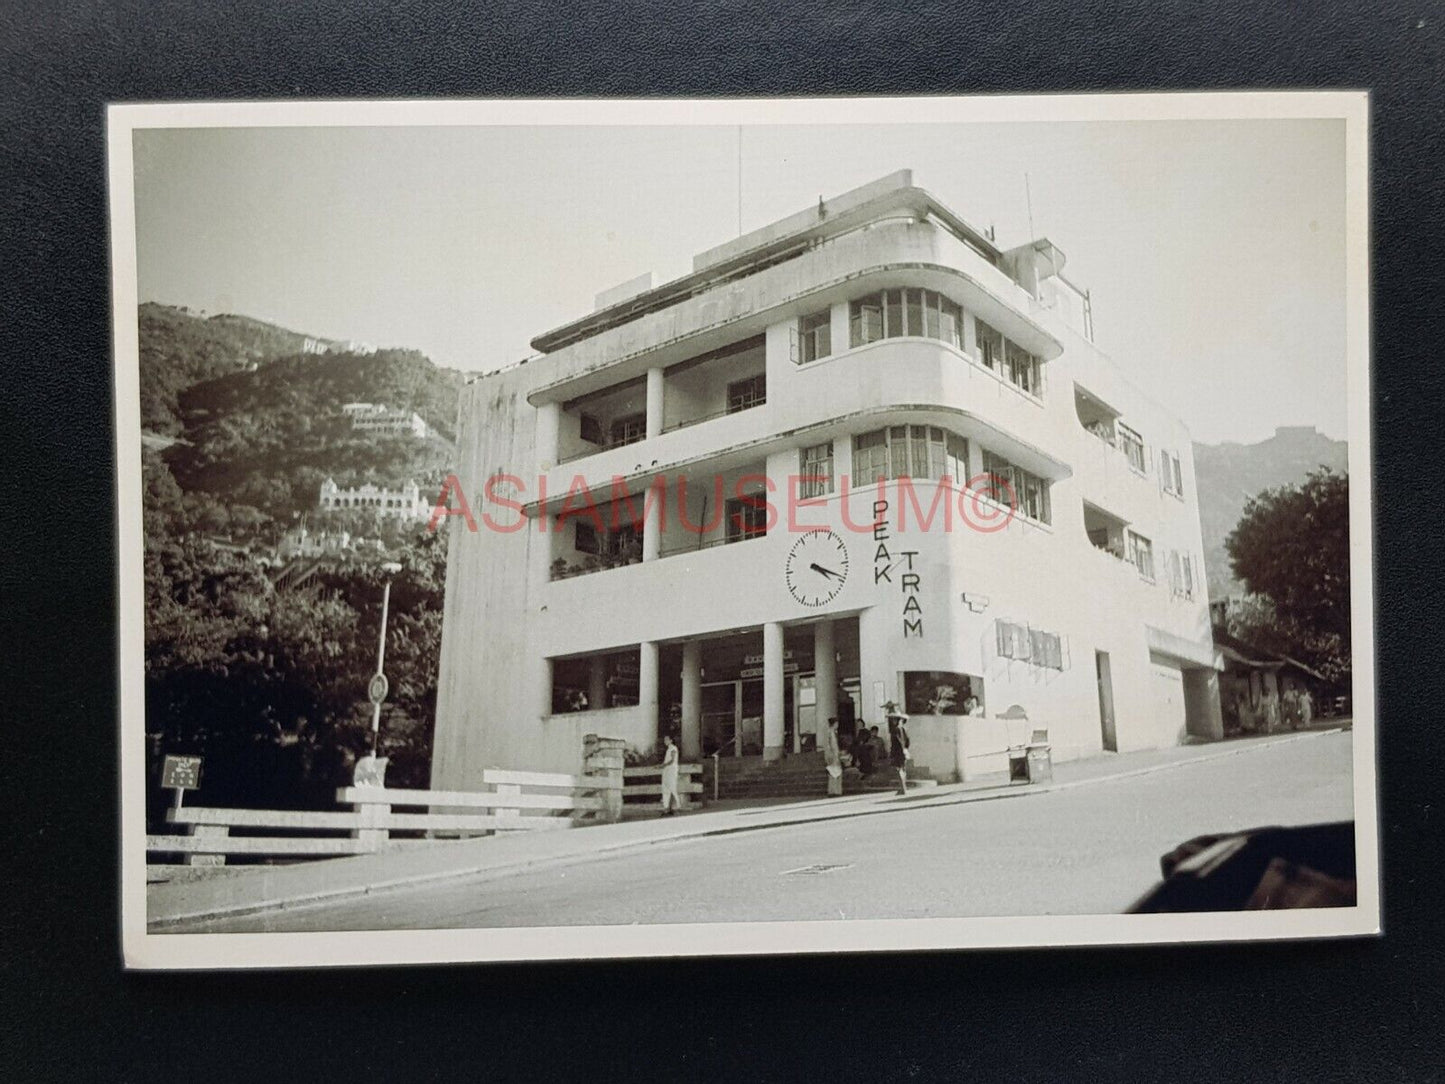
(181, 774)
(376, 688)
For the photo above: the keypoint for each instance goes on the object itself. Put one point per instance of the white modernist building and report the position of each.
(796, 408)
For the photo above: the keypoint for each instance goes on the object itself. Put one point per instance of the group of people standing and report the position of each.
(867, 749)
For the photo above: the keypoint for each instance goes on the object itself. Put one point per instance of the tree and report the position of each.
(1292, 548)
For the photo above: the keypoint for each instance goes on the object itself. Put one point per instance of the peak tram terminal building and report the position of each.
(876, 336)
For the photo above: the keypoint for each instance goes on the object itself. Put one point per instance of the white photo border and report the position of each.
(149, 950)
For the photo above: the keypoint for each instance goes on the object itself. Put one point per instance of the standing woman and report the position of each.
(670, 800)
(833, 758)
(898, 754)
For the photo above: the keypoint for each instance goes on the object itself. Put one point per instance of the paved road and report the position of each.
(1087, 850)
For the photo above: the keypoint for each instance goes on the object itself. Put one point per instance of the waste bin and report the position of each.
(1040, 764)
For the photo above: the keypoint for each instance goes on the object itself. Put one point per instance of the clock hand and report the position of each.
(825, 571)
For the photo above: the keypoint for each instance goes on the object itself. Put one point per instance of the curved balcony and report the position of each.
(891, 380)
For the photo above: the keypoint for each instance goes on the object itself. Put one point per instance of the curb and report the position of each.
(338, 893)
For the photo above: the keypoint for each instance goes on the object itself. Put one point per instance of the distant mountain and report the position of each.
(179, 348)
(1229, 474)
(256, 410)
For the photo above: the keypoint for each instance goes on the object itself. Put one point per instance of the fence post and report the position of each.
(371, 832)
(603, 759)
(506, 814)
(208, 831)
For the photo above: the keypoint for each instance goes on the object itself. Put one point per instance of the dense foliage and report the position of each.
(1291, 549)
(268, 682)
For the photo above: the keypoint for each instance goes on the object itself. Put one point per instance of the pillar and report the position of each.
(549, 423)
(1203, 717)
(653, 498)
(597, 682)
(774, 682)
(691, 700)
(654, 402)
(647, 660)
(825, 673)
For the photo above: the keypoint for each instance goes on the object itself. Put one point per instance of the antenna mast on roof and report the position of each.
(740, 180)
(1029, 200)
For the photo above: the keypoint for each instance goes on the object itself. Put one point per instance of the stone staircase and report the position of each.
(798, 775)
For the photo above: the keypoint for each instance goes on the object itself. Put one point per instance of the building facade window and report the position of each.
(628, 430)
(745, 394)
(891, 314)
(1028, 492)
(909, 451)
(1171, 475)
(1132, 446)
(1021, 368)
(815, 336)
(747, 517)
(591, 429)
(1141, 555)
(990, 345)
(1181, 575)
(816, 471)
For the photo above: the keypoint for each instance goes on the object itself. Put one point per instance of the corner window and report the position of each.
(891, 314)
(745, 394)
(815, 336)
(990, 345)
(816, 471)
(909, 451)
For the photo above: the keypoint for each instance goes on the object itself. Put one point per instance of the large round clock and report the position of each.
(817, 567)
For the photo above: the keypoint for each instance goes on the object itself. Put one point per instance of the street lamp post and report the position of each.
(378, 682)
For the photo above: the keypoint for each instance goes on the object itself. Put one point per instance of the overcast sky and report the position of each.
(1214, 250)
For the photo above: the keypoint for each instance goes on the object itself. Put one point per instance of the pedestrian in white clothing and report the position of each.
(832, 758)
(670, 800)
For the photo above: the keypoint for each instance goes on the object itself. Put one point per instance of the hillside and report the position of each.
(254, 413)
(267, 438)
(179, 348)
(1229, 474)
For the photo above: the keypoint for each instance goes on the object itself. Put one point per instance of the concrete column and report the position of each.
(774, 683)
(647, 667)
(1202, 714)
(597, 682)
(825, 673)
(549, 423)
(542, 697)
(652, 512)
(691, 700)
(654, 402)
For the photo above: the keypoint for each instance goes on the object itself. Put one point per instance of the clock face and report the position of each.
(817, 567)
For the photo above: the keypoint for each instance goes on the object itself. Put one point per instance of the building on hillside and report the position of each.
(795, 407)
(402, 503)
(379, 418)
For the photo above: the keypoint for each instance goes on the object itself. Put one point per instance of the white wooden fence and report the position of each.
(635, 792)
(516, 802)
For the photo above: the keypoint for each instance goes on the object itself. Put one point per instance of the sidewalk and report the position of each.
(263, 888)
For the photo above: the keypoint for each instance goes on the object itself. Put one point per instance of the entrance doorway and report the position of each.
(1106, 700)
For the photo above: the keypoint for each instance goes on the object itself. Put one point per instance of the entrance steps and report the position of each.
(797, 775)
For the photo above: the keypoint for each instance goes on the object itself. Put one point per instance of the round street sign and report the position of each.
(376, 688)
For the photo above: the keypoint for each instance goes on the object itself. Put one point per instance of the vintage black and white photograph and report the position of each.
(574, 529)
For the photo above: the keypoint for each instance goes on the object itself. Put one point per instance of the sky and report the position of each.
(1214, 250)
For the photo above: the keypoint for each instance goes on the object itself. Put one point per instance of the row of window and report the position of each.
(1119, 435)
(1016, 641)
(926, 314)
(924, 451)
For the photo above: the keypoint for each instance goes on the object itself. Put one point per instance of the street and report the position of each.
(1090, 849)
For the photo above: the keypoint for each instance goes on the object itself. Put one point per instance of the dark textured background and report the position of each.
(1343, 1011)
